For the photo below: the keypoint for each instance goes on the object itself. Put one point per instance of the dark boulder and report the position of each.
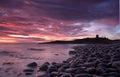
(91, 70)
(66, 75)
(100, 70)
(44, 67)
(28, 70)
(58, 65)
(52, 69)
(83, 75)
(108, 70)
(28, 73)
(72, 52)
(115, 74)
(53, 74)
(80, 70)
(97, 76)
(116, 64)
(89, 64)
(70, 70)
(33, 65)
(65, 66)
(61, 69)
(44, 75)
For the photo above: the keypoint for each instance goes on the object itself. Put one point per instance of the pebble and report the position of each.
(44, 67)
(28, 70)
(66, 75)
(83, 75)
(33, 65)
(52, 69)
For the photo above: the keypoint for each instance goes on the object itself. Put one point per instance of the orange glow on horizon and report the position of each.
(7, 41)
(22, 36)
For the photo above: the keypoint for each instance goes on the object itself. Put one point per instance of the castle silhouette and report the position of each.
(97, 39)
(97, 36)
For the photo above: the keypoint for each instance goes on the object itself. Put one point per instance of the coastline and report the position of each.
(15, 57)
(87, 61)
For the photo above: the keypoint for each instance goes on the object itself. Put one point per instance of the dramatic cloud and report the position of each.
(46, 20)
(79, 9)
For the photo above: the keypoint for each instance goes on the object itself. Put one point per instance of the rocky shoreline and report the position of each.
(86, 61)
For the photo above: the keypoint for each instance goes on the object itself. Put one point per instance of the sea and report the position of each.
(14, 57)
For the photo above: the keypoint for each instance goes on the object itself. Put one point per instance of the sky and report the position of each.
(48, 20)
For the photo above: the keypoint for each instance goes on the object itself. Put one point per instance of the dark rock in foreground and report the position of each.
(28, 70)
(28, 73)
(44, 75)
(44, 67)
(32, 65)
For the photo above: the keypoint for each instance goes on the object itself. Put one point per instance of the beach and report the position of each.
(94, 60)
(64, 60)
(15, 57)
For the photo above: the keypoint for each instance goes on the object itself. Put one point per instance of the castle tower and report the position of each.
(97, 36)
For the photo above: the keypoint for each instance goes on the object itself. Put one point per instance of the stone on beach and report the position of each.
(80, 70)
(61, 69)
(28, 70)
(33, 65)
(83, 75)
(72, 52)
(70, 70)
(58, 65)
(44, 67)
(66, 75)
(52, 69)
(28, 73)
(91, 70)
(89, 64)
(114, 74)
(100, 70)
(44, 75)
(116, 64)
(53, 74)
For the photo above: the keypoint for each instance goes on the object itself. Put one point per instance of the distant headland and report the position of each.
(96, 40)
